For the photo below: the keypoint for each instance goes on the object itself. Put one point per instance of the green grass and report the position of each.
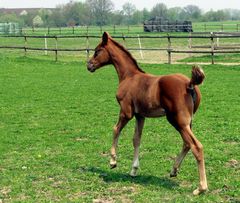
(227, 26)
(56, 124)
(134, 30)
(219, 58)
(149, 56)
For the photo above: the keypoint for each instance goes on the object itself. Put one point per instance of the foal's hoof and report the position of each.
(112, 166)
(173, 173)
(133, 174)
(199, 191)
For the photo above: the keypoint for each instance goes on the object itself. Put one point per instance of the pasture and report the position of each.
(56, 131)
(226, 26)
(158, 54)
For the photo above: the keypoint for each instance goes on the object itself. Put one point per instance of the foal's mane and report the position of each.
(128, 54)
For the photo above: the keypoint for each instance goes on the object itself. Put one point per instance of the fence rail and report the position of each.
(118, 29)
(202, 49)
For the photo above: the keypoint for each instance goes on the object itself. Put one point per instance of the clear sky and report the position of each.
(206, 5)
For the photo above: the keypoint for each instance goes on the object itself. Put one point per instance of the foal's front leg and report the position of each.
(123, 120)
(136, 144)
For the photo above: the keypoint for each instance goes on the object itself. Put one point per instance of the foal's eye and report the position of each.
(96, 53)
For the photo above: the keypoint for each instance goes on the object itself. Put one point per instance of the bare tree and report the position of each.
(128, 10)
(100, 10)
(159, 10)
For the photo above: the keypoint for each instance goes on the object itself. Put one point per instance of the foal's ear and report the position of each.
(105, 38)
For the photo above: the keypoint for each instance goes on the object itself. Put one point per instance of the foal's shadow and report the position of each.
(109, 176)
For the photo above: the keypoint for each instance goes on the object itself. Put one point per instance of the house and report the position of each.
(22, 11)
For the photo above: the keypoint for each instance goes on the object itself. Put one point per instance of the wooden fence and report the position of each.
(212, 49)
(118, 29)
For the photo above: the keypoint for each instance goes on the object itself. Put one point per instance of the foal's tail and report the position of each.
(196, 79)
(197, 76)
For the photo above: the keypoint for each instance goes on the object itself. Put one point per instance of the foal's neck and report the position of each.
(123, 62)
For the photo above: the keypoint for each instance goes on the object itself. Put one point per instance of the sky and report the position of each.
(205, 5)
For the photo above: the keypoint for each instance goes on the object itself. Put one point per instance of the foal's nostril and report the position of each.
(90, 67)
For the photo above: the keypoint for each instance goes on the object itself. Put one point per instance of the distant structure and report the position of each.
(23, 11)
(9, 28)
(159, 24)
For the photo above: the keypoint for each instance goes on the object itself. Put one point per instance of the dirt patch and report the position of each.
(157, 57)
(233, 164)
(80, 139)
(123, 190)
(103, 200)
(5, 194)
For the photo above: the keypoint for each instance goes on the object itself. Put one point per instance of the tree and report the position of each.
(146, 14)
(117, 18)
(137, 17)
(37, 21)
(191, 12)
(100, 10)
(57, 18)
(174, 13)
(28, 19)
(219, 15)
(45, 15)
(128, 9)
(76, 13)
(234, 14)
(159, 10)
(11, 17)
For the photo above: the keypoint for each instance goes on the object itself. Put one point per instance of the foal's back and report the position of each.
(152, 96)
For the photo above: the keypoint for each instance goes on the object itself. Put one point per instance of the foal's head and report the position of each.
(101, 56)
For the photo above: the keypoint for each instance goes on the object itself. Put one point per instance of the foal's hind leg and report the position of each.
(123, 120)
(136, 144)
(179, 160)
(180, 157)
(197, 150)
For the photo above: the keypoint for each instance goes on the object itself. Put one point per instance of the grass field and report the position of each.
(56, 124)
(227, 26)
(146, 43)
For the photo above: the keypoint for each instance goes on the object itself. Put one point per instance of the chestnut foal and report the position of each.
(143, 95)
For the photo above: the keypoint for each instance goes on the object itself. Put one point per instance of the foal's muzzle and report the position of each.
(90, 67)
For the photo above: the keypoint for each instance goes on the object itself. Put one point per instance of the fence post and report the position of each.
(32, 28)
(114, 29)
(190, 40)
(48, 30)
(128, 29)
(140, 47)
(101, 30)
(46, 44)
(212, 47)
(205, 27)
(56, 47)
(87, 47)
(217, 43)
(25, 46)
(169, 49)
(124, 41)
(87, 30)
